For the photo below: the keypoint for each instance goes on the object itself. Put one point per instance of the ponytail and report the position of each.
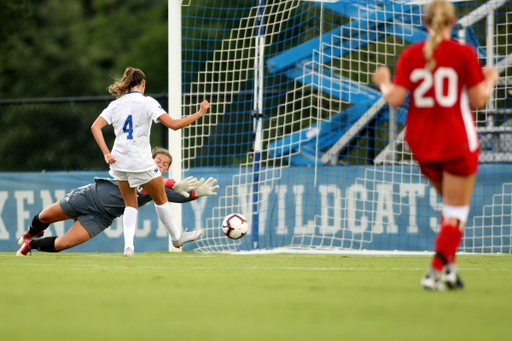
(438, 14)
(132, 77)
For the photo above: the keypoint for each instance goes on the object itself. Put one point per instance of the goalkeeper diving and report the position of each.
(94, 208)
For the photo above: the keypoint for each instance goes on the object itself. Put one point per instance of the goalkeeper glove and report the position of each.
(205, 188)
(182, 186)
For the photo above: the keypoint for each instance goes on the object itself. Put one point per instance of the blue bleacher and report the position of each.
(302, 64)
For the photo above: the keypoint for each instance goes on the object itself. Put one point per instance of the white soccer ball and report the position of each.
(235, 226)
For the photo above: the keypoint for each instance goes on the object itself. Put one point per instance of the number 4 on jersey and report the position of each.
(128, 127)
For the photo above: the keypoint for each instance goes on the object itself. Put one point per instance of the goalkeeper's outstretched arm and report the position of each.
(202, 189)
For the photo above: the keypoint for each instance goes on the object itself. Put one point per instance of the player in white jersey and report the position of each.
(130, 161)
(131, 147)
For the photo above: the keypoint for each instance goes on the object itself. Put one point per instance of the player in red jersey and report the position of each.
(445, 81)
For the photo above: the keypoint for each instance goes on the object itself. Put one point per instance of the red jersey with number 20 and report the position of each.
(440, 124)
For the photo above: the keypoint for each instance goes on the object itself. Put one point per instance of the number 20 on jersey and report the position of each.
(443, 98)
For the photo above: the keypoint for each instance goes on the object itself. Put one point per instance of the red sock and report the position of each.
(447, 242)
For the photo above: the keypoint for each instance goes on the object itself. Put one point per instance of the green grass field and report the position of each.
(188, 296)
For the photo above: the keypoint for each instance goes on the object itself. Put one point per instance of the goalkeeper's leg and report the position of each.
(42, 221)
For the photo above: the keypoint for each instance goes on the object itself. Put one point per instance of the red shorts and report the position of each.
(462, 166)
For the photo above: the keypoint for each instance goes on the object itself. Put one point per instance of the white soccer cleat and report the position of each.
(128, 252)
(451, 277)
(28, 236)
(187, 237)
(25, 249)
(431, 281)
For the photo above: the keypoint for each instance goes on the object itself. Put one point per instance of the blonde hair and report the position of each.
(131, 77)
(438, 15)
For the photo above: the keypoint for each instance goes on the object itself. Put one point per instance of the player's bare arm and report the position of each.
(480, 93)
(393, 94)
(173, 124)
(100, 140)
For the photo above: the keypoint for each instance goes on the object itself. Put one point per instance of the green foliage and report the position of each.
(76, 47)
(57, 136)
(17, 18)
(51, 137)
(68, 49)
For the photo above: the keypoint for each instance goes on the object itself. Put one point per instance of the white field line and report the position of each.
(117, 255)
(284, 253)
(334, 252)
(350, 252)
(265, 268)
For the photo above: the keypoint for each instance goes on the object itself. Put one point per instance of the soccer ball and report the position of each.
(235, 226)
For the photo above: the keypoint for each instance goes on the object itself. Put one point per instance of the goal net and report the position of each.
(304, 146)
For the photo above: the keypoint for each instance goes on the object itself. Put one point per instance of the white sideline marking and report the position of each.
(76, 266)
(140, 255)
(351, 252)
(334, 252)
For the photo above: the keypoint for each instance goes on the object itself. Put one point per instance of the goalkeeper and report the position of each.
(94, 208)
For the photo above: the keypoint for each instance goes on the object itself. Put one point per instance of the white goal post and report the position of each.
(175, 103)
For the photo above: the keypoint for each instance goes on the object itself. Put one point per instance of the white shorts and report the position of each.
(136, 179)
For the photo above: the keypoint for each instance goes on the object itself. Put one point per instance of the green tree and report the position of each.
(67, 49)
(16, 19)
(76, 47)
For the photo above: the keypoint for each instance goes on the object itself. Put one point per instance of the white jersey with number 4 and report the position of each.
(131, 117)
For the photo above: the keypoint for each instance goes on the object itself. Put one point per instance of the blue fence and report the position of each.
(379, 208)
(22, 195)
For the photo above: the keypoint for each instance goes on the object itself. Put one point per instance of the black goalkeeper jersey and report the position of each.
(106, 196)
